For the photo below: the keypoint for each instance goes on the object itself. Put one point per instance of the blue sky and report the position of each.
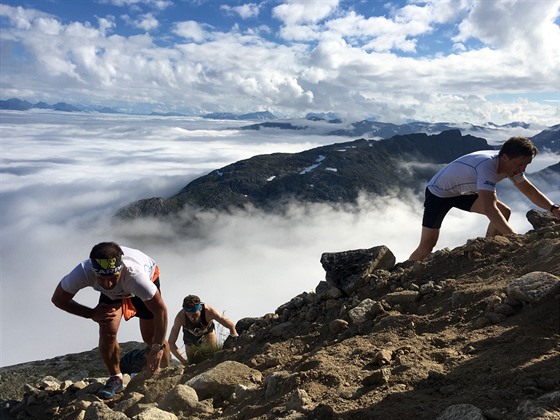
(435, 60)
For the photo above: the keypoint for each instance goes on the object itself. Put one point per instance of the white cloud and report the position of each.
(323, 57)
(245, 11)
(497, 25)
(146, 22)
(192, 30)
(157, 4)
(21, 17)
(295, 12)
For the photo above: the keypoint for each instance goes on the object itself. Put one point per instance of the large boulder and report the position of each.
(539, 218)
(346, 270)
(534, 287)
(220, 382)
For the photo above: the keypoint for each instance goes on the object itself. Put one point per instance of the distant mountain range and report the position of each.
(548, 139)
(16, 104)
(323, 123)
(265, 115)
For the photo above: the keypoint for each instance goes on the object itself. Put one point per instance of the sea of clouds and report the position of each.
(63, 176)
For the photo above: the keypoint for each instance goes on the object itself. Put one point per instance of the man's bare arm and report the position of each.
(534, 194)
(65, 301)
(213, 314)
(487, 204)
(174, 335)
(158, 308)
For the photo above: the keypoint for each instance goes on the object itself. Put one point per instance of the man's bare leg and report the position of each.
(428, 240)
(108, 344)
(505, 210)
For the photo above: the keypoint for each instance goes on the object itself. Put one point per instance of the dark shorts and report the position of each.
(435, 208)
(142, 310)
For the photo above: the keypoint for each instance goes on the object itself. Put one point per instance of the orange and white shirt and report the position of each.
(136, 278)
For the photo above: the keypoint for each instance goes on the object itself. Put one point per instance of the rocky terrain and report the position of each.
(470, 333)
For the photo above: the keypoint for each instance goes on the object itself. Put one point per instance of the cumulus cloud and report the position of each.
(298, 57)
(294, 12)
(192, 30)
(146, 22)
(245, 11)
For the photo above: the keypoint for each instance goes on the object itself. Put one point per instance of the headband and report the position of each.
(106, 266)
(194, 309)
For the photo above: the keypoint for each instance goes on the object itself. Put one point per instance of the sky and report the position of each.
(64, 175)
(393, 61)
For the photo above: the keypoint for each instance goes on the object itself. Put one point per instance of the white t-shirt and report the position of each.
(135, 280)
(468, 174)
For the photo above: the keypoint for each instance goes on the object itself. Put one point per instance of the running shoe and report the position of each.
(113, 386)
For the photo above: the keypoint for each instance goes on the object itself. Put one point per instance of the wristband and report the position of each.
(554, 206)
(157, 347)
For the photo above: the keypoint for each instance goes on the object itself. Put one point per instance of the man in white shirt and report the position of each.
(469, 183)
(128, 281)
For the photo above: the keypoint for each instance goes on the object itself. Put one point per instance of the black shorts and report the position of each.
(142, 310)
(435, 208)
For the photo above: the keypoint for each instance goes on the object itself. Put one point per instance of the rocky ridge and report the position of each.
(336, 173)
(470, 333)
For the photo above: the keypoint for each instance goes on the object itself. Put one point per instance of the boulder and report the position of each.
(462, 412)
(540, 219)
(534, 287)
(346, 270)
(220, 381)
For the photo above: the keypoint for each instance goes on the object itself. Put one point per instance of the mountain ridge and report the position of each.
(335, 173)
(332, 173)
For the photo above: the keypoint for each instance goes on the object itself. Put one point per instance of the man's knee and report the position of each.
(506, 211)
(108, 332)
(106, 338)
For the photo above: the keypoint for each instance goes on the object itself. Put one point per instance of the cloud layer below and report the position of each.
(63, 176)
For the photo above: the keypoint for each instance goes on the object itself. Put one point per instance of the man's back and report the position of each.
(467, 174)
